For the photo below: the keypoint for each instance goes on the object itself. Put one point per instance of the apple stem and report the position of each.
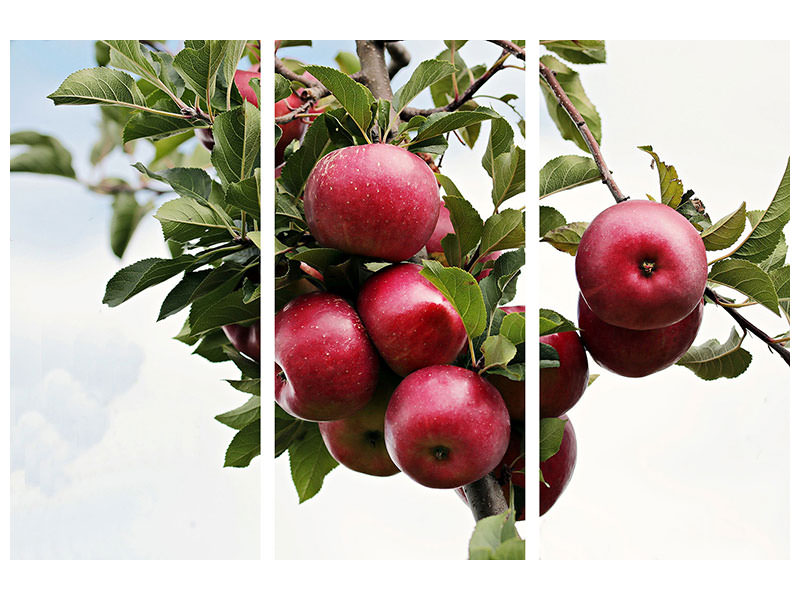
(485, 497)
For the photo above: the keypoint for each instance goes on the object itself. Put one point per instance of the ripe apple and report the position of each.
(561, 387)
(242, 79)
(357, 441)
(410, 322)
(329, 365)
(374, 200)
(636, 353)
(206, 137)
(293, 130)
(641, 265)
(557, 470)
(246, 339)
(446, 426)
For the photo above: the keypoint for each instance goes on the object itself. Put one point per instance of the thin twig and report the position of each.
(583, 128)
(511, 47)
(409, 112)
(748, 326)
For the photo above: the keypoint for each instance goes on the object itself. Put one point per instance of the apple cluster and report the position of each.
(376, 370)
(641, 269)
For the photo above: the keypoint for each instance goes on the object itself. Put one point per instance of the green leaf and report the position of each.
(45, 155)
(496, 538)
(288, 430)
(99, 85)
(355, 98)
(713, 360)
(549, 219)
(211, 313)
(726, 231)
(501, 141)
(778, 256)
(567, 237)
(583, 52)
(246, 386)
(316, 143)
(282, 87)
(548, 356)
(439, 123)
(513, 328)
(237, 143)
(551, 432)
(462, 291)
(241, 417)
(185, 219)
(448, 186)
(780, 278)
(426, 74)
(552, 322)
(126, 215)
(129, 56)
(766, 234)
(219, 282)
(503, 231)
(194, 183)
(198, 65)
(244, 446)
(497, 351)
(747, 278)
(571, 83)
(509, 176)
(156, 126)
(245, 195)
(139, 276)
(468, 227)
(348, 62)
(309, 462)
(671, 186)
(566, 172)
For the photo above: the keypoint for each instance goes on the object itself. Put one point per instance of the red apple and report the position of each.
(329, 365)
(374, 200)
(557, 470)
(561, 387)
(358, 442)
(410, 322)
(293, 130)
(636, 353)
(446, 426)
(242, 81)
(513, 309)
(641, 265)
(246, 339)
(511, 472)
(513, 393)
(442, 228)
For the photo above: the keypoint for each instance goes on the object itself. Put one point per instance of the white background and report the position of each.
(670, 466)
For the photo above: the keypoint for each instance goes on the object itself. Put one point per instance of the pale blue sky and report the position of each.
(114, 449)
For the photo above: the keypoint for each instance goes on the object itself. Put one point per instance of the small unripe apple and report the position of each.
(373, 200)
(410, 322)
(557, 470)
(246, 339)
(446, 426)
(636, 353)
(641, 265)
(358, 441)
(329, 365)
(561, 387)
(242, 81)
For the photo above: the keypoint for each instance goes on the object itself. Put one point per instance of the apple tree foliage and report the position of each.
(207, 203)
(754, 266)
(353, 116)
